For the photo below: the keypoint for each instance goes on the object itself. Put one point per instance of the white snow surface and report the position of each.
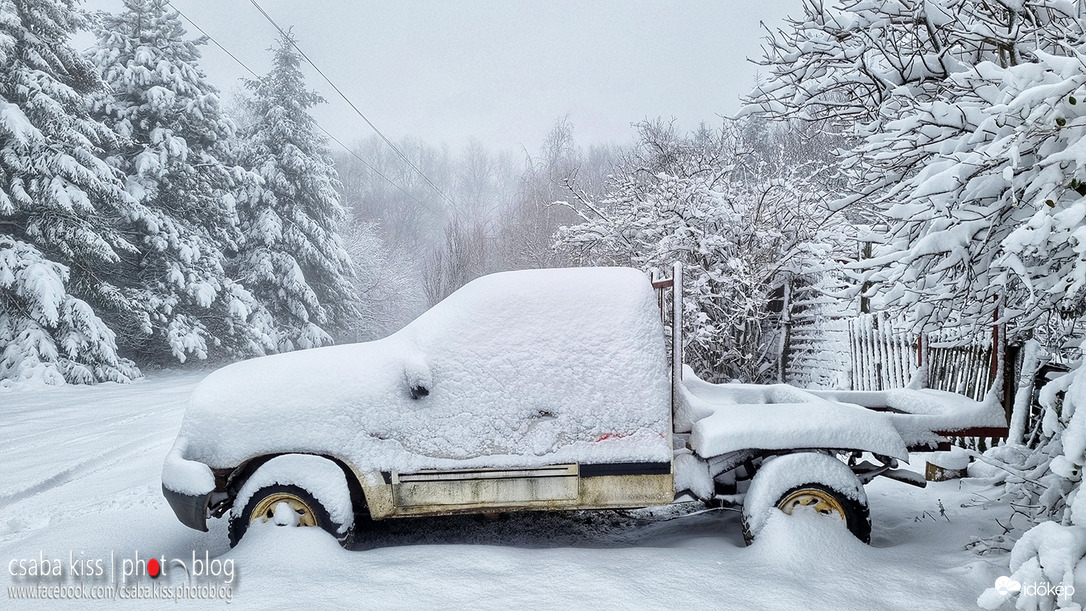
(918, 412)
(731, 417)
(319, 476)
(79, 473)
(522, 369)
(778, 475)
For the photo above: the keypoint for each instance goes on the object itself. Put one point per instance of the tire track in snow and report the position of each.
(49, 437)
(95, 464)
(113, 408)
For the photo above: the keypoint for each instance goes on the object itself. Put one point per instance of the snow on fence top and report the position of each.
(519, 368)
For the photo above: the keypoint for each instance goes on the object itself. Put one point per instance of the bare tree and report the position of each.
(461, 258)
(562, 169)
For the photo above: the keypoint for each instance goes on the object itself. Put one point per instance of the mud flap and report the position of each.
(191, 510)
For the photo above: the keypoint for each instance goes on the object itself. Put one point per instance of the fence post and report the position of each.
(876, 351)
(1010, 380)
(786, 331)
(1001, 362)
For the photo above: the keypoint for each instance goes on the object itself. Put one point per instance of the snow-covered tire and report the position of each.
(794, 479)
(315, 487)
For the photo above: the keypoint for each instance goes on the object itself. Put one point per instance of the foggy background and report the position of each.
(498, 72)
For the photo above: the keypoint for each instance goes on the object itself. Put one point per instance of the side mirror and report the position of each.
(416, 374)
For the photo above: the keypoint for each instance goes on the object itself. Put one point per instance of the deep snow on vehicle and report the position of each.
(531, 390)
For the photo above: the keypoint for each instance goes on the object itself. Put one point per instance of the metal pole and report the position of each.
(676, 335)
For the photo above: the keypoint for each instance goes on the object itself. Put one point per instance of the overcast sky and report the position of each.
(501, 71)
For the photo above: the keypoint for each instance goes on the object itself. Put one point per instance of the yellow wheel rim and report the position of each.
(266, 509)
(813, 498)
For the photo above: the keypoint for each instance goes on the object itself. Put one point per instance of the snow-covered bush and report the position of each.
(390, 296)
(682, 199)
(1044, 488)
(969, 116)
(992, 221)
(968, 113)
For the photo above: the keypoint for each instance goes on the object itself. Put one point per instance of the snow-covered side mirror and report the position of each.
(417, 376)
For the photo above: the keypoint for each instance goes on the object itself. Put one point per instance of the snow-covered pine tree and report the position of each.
(180, 301)
(292, 257)
(57, 200)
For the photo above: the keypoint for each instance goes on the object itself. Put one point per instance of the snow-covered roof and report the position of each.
(520, 368)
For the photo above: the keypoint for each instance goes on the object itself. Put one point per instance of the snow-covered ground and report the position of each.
(80, 485)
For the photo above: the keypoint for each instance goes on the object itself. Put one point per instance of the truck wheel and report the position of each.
(295, 490)
(283, 506)
(806, 479)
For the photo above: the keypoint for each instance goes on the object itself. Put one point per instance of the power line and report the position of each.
(350, 151)
(351, 104)
(208, 36)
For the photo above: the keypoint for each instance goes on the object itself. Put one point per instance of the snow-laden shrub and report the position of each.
(739, 236)
(967, 149)
(1043, 487)
(970, 117)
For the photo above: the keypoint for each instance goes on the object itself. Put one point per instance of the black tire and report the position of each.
(817, 480)
(857, 515)
(239, 521)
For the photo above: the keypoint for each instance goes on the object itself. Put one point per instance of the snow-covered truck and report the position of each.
(532, 390)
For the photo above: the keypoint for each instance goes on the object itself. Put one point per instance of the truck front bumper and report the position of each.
(190, 509)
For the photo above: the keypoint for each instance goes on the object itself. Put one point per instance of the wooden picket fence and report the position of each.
(885, 357)
(828, 342)
(966, 370)
(882, 357)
